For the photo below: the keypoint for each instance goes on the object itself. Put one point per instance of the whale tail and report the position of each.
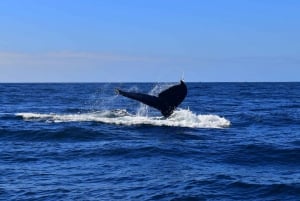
(166, 101)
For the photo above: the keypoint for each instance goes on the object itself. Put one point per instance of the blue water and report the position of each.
(227, 141)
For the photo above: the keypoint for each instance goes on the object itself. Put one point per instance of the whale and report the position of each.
(166, 101)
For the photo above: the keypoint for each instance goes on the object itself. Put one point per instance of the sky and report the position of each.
(149, 41)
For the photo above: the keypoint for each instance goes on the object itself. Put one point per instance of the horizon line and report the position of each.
(112, 82)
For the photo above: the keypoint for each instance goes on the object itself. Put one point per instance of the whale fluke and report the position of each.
(166, 101)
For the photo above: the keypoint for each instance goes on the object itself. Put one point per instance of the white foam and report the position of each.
(180, 118)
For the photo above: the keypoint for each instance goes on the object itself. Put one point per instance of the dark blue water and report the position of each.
(228, 141)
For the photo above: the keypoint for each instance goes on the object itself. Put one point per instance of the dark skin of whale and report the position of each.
(166, 101)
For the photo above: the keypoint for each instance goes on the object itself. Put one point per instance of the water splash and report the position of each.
(143, 110)
(180, 118)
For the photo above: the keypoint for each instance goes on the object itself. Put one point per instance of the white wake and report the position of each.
(180, 118)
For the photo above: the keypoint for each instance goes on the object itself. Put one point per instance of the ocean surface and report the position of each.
(226, 141)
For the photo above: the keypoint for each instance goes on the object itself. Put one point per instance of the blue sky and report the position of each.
(151, 40)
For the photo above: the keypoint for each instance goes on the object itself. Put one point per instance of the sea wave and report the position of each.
(180, 118)
(249, 154)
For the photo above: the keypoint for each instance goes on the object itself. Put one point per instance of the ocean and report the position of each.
(81, 141)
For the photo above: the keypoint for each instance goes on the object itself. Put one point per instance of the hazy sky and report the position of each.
(149, 40)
